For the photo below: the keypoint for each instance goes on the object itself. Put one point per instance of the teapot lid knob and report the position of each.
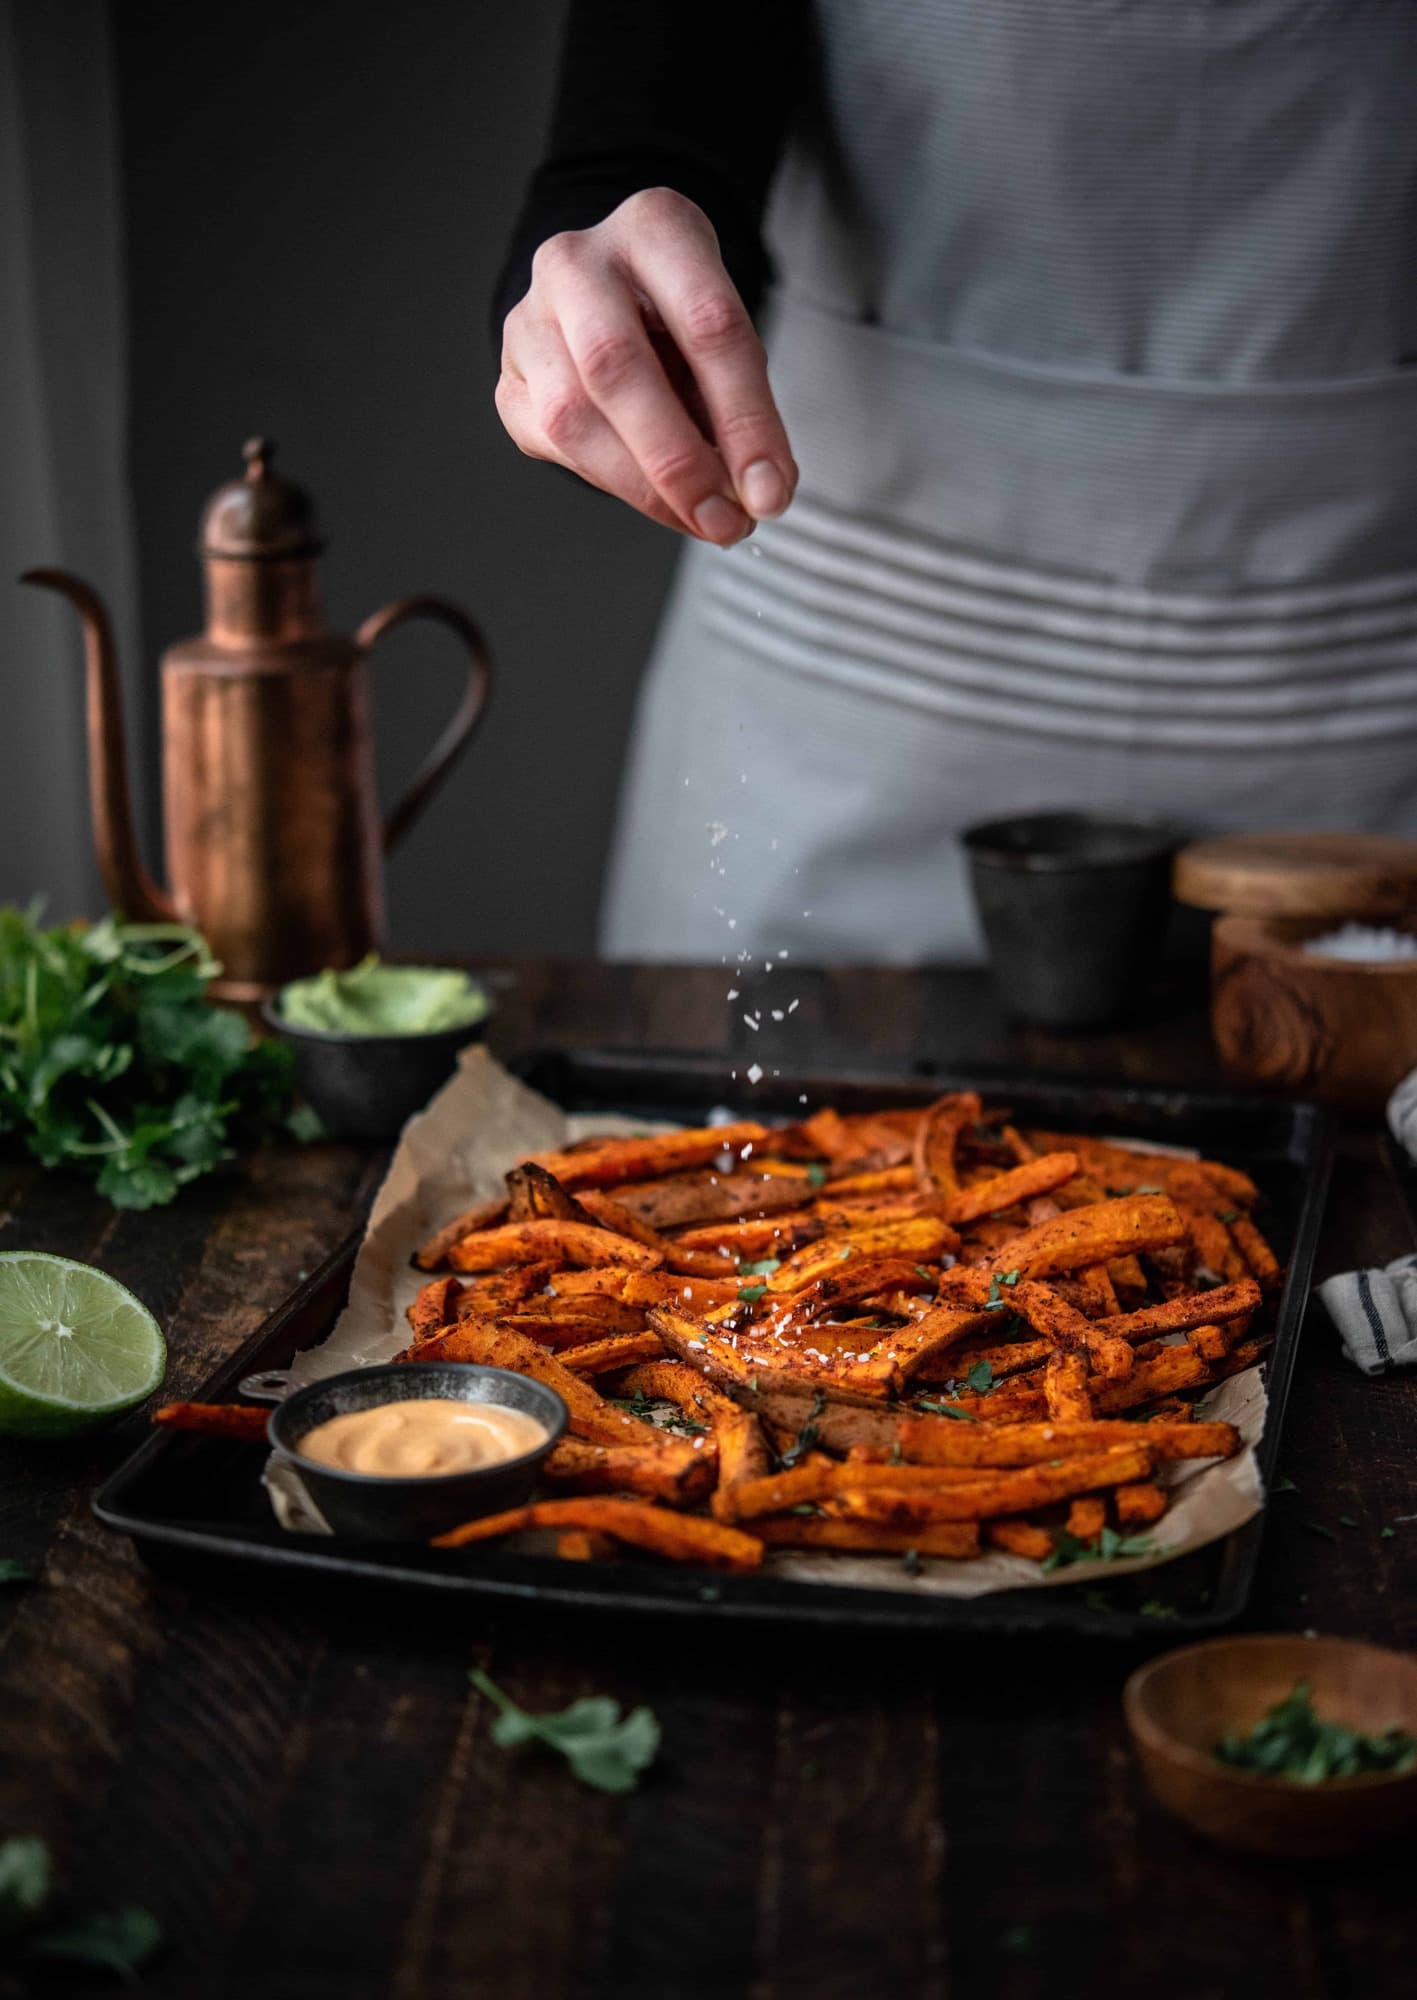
(262, 514)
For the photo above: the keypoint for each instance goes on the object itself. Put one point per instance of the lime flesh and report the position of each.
(75, 1346)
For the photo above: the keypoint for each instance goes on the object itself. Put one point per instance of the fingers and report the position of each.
(678, 267)
(591, 302)
(633, 361)
(548, 415)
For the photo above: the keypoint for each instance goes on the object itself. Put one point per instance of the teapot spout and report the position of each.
(131, 889)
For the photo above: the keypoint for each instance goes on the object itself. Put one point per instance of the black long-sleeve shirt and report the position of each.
(664, 93)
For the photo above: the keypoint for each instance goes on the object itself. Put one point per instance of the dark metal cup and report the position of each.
(1074, 908)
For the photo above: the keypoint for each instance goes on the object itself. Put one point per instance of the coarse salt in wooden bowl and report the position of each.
(1178, 1708)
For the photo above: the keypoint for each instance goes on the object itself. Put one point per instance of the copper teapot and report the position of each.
(274, 846)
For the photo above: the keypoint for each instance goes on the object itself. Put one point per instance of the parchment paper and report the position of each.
(455, 1152)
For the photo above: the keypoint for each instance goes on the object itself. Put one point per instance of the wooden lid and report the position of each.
(1364, 875)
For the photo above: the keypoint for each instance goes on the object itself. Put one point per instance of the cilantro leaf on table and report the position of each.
(114, 1940)
(113, 1063)
(24, 1882)
(13, 1571)
(604, 1748)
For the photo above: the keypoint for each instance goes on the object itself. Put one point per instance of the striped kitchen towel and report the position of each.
(1376, 1311)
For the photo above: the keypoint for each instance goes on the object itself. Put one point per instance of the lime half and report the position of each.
(75, 1346)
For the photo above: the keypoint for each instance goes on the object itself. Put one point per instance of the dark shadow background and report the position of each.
(316, 200)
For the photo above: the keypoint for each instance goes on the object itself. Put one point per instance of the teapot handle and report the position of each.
(470, 709)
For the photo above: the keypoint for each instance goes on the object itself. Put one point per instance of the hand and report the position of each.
(633, 361)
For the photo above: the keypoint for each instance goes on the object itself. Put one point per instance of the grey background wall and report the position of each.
(316, 200)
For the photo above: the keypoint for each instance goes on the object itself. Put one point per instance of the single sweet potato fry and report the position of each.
(1209, 1342)
(605, 1162)
(937, 1140)
(1087, 1517)
(1065, 1386)
(997, 1493)
(1189, 1309)
(1140, 1503)
(690, 1263)
(566, 1242)
(533, 1192)
(1007, 1190)
(937, 1441)
(914, 1240)
(1264, 1265)
(1092, 1235)
(676, 1470)
(712, 1197)
(435, 1305)
(1020, 1538)
(428, 1256)
(955, 1540)
(738, 1368)
(228, 1420)
(213, 1419)
(621, 1350)
(771, 1235)
(678, 1537)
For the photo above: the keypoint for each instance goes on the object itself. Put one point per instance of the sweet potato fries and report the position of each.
(909, 1332)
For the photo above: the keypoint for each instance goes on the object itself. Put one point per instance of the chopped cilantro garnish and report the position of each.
(763, 1268)
(1347, 1521)
(922, 1272)
(1318, 1528)
(806, 1438)
(1228, 1215)
(752, 1293)
(1292, 1741)
(1285, 1485)
(817, 1174)
(948, 1410)
(1154, 1608)
(980, 1378)
(1111, 1547)
(910, 1562)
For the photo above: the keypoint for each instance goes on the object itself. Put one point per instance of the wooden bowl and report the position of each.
(1329, 1028)
(1179, 1706)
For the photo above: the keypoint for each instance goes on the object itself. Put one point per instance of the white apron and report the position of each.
(1091, 338)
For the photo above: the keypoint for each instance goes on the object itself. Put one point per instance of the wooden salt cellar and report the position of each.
(1335, 1029)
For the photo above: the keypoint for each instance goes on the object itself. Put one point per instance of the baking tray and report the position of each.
(186, 1498)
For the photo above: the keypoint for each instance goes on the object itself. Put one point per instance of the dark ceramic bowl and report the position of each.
(369, 1086)
(375, 1509)
(1074, 908)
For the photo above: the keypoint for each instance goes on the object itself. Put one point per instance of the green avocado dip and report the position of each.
(375, 999)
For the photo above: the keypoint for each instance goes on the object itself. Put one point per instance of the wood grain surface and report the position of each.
(302, 1786)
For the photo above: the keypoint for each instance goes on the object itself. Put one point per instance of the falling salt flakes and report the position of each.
(782, 953)
(731, 994)
(778, 1014)
(717, 832)
(754, 1073)
(793, 1005)
(754, 1021)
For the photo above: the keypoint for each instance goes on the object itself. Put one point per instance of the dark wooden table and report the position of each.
(304, 1791)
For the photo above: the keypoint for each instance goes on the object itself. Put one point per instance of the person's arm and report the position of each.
(628, 353)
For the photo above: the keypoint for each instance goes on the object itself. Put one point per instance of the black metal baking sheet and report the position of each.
(194, 1498)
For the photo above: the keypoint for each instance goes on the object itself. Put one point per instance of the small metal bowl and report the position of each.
(369, 1086)
(373, 1508)
(1074, 908)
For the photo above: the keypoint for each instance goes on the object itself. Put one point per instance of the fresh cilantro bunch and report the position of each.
(114, 1064)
